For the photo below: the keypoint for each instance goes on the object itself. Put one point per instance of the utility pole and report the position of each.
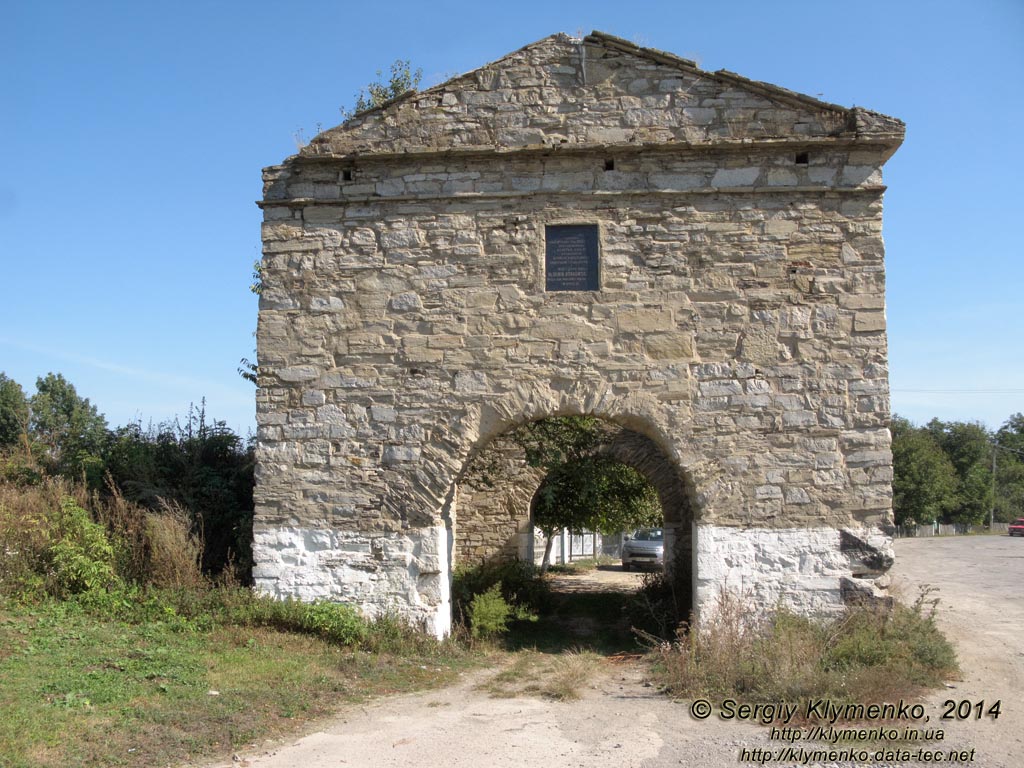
(992, 509)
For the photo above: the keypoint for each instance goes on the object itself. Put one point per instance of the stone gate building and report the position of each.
(582, 227)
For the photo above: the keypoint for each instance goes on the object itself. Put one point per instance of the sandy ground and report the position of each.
(622, 722)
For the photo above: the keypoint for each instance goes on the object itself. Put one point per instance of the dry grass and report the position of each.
(174, 551)
(153, 549)
(572, 673)
(868, 654)
(561, 677)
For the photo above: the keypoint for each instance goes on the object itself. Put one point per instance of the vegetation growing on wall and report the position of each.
(401, 78)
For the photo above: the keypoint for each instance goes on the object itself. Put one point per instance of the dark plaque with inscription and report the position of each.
(571, 258)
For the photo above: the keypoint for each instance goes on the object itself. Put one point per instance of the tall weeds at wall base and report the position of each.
(655, 610)
(868, 654)
(58, 539)
(174, 552)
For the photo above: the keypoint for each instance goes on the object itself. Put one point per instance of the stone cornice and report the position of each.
(887, 142)
(596, 194)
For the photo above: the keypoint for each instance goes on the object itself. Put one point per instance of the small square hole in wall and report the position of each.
(609, 164)
(346, 174)
(802, 158)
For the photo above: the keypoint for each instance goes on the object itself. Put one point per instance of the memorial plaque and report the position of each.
(571, 258)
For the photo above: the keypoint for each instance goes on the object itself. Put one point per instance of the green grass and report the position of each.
(582, 566)
(80, 690)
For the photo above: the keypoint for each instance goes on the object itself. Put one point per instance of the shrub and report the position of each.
(867, 654)
(82, 558)
(489, 613)
(519, 582)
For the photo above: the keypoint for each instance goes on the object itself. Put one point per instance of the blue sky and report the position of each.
(134, 133)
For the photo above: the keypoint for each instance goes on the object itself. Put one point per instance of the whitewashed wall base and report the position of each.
(804, 569)
(380, 573)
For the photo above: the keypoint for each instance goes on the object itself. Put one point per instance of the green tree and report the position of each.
(925, 481)
(68, 430)
(1009, 439)
(594, 493)
(550, 443)
(13, 413)
(969, 447)
(401, 78)
(203, 466)
(584, 488)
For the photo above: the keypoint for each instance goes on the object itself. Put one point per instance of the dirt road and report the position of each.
(621, 722)
(980, 581)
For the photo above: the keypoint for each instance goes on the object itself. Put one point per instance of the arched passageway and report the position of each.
(491, 516)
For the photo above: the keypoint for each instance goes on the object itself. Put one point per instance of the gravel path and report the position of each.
(621, 722)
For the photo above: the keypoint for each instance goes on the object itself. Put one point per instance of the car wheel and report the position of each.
(625, 566)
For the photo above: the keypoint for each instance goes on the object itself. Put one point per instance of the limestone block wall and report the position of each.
(739, 326)
(493, 508)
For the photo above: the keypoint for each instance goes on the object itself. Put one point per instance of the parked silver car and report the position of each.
(645, 548)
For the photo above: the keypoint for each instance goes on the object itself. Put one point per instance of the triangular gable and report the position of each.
(600, 91)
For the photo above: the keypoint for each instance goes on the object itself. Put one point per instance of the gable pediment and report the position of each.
(600, 91)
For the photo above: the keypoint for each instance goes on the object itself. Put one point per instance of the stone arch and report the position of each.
(641, 443)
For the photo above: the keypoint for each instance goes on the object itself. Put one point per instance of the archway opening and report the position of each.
(500, 515)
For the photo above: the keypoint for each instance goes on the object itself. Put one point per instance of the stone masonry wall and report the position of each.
(493, 512)
(740, 324)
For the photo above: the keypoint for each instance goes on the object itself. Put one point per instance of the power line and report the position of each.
(999, 447)
(963, 391)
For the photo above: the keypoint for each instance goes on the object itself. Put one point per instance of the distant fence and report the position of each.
(955, 529)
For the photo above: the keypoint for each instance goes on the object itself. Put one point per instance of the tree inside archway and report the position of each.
(593, 493)
(584, 489)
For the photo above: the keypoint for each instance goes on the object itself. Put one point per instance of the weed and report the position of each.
(59, 539)
(561, 676)
(82, 558)
(489, 613)
(173, 550)
(571, 672)
(867, 654)
(519, 582)
(654, 609)
(333, 621)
